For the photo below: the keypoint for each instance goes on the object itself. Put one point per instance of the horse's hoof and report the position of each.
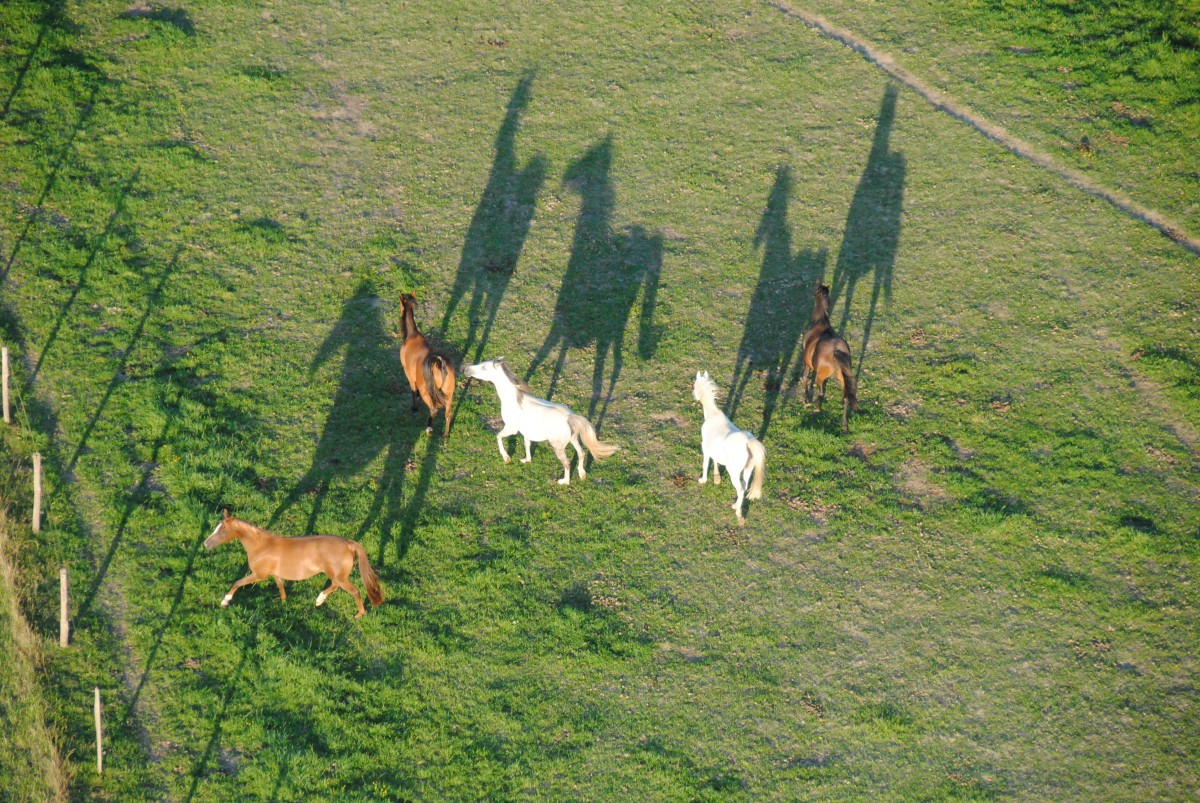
(564, 482)
(703, 480)
(507, 459)
(320, 599)
(428, 430)
(526, 459)
(360, 614)
(225, 601)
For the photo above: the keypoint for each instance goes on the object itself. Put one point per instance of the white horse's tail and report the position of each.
(758, 462)
(587, 433)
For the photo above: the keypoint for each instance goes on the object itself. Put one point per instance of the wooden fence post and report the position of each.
(99, 737)
(64, 626)
(37, 492)
(7, 417)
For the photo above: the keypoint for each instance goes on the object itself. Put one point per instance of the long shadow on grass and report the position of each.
(34, 213)
(199, 769)
(872, 234)
(498, 229)
(131, 706)
(780, 307)
(119, 372)
(97, 244)
(366, 417)
(134, 499)
(605, 275)
(390, 507)
(52, 18)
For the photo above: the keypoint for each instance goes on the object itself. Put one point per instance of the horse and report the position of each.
(538, 420)
(741, 453)
(299, 558)
(429, 371)
(827, 354)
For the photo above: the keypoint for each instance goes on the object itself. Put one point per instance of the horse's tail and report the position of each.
(435, 390)
(369, 578)
(587, 433)
(758, 462)
(849, 385)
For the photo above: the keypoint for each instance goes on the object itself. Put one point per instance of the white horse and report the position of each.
(538, 420)
(741, 453)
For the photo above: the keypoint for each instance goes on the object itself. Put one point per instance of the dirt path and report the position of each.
(997, 134)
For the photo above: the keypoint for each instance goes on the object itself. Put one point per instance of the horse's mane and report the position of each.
(706, 382)
(521, 387)
(247, 525)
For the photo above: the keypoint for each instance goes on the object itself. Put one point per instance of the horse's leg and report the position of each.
(357, 598)
(528, 457)
(500, 436)
(823, 374)
(808, 371)
(560, 449)
(427, 397)
(579, 454)
(342, 581)
(282, 593)
(736, 478)
(324, 595)
(253, 577)
(704, 466)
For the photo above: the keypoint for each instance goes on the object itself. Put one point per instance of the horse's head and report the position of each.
(704, 387)
(488, 371)
(225, 531)
(820, 301)
(408, 301)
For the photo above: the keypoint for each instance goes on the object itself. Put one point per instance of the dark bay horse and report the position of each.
(430, 372)
(299, 558)
(827, 354)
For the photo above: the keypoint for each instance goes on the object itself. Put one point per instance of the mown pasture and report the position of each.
(211, 209)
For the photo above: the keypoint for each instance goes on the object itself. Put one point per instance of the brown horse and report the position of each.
(826, 354)
(430, 372)
(298, 559)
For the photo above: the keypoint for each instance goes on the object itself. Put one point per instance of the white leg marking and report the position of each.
(225, 601)
(321, 598)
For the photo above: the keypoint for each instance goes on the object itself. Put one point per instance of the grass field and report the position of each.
(985, 590)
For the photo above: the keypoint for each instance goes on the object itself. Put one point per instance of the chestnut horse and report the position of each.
(827, 354)
(430, 372)
(297, 559)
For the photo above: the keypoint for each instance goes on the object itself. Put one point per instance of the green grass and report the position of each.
(1112, 89)
(984, 591)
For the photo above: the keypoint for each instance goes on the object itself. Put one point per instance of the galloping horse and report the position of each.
(300, 558)
(741, 453)
(827, 354)
(430, 372)
(538, 420)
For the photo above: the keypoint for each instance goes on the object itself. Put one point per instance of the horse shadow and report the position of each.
(367, 416)
(872, 233)
(605, 275)
(779, 308)
(498, 229)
